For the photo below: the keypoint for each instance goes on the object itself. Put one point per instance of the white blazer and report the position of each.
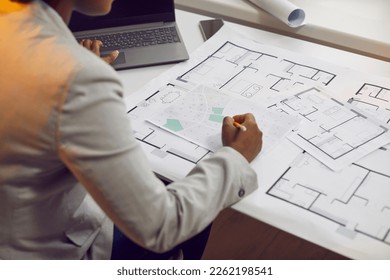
(69, 163)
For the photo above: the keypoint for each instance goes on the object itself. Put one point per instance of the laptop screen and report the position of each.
(126, 12)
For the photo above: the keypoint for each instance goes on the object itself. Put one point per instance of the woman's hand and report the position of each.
(246, 141)
(95, 45)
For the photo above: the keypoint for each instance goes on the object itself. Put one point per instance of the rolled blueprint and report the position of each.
(283, 10)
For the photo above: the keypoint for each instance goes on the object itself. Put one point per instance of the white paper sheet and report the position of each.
(356, 198)
(259, 73)
(198, 117)
(284, 10)
(335, 133)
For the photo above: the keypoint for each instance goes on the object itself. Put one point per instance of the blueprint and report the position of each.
(198, 117)
(346, 210)
(335, 133)
(374, 99)
(357, 198)
(252, 74)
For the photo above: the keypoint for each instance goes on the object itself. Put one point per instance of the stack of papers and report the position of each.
(325, 171)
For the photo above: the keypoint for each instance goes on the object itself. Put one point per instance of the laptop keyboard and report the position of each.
(134, 39)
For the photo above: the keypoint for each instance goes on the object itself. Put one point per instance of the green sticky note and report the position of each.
(217, 110)
(216, 118)
(173, 124)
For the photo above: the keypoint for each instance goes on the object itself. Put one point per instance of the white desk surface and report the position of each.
(134, 79)
(358, 26)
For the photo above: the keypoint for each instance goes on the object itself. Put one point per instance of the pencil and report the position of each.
(240, 126)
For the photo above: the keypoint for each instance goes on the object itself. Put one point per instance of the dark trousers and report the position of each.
(125, 249)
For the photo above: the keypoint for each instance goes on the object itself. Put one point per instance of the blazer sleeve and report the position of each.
(96, 142)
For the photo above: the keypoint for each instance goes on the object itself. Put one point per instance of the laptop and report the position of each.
(143, 31)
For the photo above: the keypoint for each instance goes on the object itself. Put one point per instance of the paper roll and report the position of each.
(283, 10)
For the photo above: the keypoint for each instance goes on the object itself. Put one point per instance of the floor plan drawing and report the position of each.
(233, 68)
(157, 139)
(357, 198)
(251, 73)
(375, 94)
(307, 72)
(332, 132)
(198, 117)
(328, 181)
(374, 99)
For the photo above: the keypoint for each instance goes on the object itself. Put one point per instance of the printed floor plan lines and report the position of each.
(357, 198)
(224, 64)
(251, 73)
(342, 128)
(198, 117)
(375, 99)
(307, 72)
(159, 141)
(332, 132)
(375, 92)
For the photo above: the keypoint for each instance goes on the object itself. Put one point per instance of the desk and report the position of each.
(188, 23)
(358, 26)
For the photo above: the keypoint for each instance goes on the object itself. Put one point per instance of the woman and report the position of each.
(70, 167)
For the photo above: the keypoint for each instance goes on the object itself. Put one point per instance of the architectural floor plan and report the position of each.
(357, 198)
(374, 99)
(252, 74)
(347, 211)
(199, 114)
(333, 132)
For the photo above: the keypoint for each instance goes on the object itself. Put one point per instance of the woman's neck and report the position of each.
(63, 7)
